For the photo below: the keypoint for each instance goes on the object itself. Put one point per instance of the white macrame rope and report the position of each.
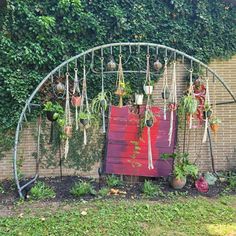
(191, 94)
(165, 87)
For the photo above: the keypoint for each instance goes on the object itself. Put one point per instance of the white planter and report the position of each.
(148, 89)
(138, 99)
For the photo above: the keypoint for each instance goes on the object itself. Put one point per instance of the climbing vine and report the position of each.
(36, 36)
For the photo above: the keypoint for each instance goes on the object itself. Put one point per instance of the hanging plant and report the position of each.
(53, 110)
(207, 111)
(111, 65)
(138, 99)
(157, 65)
(165, 93)
(190, 104)
(101, 102)
(148, 87)
(149, 118)
(214, 124)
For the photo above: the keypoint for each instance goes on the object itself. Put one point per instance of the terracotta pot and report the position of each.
(214, 127)
(76, 101)
(68, 131)
(178, 183)
(148, 89)
(138, 99)
(50, 115)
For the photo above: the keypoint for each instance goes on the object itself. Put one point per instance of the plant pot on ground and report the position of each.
(182, 169)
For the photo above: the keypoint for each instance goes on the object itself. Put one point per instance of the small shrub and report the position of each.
(151, 190)
(82, 188)
(113, 181)
(103, 192)
(41, 191)
(232, 182)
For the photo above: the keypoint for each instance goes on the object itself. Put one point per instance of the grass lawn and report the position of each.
(180, 216)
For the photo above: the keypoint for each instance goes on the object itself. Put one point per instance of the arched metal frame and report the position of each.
(92, 50)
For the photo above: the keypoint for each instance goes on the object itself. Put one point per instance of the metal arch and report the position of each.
(28, 102)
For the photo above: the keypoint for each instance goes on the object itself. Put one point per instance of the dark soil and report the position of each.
(62, 187)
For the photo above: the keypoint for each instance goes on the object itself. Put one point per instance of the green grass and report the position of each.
(188, 217)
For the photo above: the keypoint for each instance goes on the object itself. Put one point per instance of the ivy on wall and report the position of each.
(37, 36)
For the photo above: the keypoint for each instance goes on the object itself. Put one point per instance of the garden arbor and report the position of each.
(136, 59)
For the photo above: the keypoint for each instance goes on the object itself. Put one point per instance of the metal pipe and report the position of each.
(65, 63)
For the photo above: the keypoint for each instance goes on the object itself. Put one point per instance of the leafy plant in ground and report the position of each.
(41, 191)
(151, 190)
(82, 188)
(232, 181)
(2, 190)
(113, 181)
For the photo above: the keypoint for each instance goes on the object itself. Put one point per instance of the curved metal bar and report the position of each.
(65, 63)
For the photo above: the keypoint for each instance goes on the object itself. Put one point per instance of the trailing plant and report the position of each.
(41, 191)
(190, 104)
(101, 102)
(82, 188)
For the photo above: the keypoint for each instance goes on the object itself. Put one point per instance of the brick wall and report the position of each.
(224, 144)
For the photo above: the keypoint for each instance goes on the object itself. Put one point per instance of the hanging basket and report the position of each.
(120, 92)
(76, 101)
(68, 131)
(214, 128)
(157, 65)
(165, 94)
(148, 89)
(138, 99)
(207, 114)
(51, 116)
(84, 122)
(149, 123)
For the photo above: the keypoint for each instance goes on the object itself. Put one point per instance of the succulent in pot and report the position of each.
(214, 124)
(182, 168)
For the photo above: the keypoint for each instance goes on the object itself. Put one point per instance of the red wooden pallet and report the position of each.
(123, 133)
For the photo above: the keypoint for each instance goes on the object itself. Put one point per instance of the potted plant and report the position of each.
(76, 100)
(165, 93)
(190, 104)
(148, 89)
(207, 111)
(138, 98)
(157, 65)
(101, 102)
(53, 110)
(111, 65)
(181, 169)
(84, 117)
(214, 124)
(149, 118)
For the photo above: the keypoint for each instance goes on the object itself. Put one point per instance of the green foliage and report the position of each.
(41, 191)
(103, 192)
(113, 181)
(2, 190)
(82, 188)
(215, 120)
(151, 190)
(182, 166)
(190, 104)
(232, 181)
(35, 37)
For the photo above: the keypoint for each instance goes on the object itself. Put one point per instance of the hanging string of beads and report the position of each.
(173, 102)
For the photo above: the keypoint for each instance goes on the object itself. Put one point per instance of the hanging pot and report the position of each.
(51, 116)
(149, 122)
(120, 91)
(165, 94)
(111, 65)
(178, 183)
(68, 130)
(84, 121)
(214, 127)
(60, 88)
(207, 114)
(76, 101)
(148, 89)
(103, 103)
(138, 99)
(157, 65)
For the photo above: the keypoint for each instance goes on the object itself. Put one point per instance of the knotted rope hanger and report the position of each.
(165, 88)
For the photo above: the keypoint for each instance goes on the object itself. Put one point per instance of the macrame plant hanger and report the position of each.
(148, 111)
(120, 82)
(103, 93)
(76, 97)
(67, 127)
(84, 98)
(173, 101)
(165, 89)
(207, 100)
(191, 93)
